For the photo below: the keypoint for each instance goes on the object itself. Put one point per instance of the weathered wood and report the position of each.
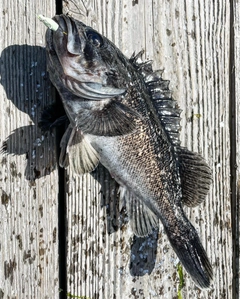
(235, 141)
(190, 41)
(28, 174)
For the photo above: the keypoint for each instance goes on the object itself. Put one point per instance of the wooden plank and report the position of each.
(28, 174)
(235, 130)
(191, 42)
(204, 63)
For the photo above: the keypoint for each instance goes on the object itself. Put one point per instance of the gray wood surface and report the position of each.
(191, 42)
(235, 145)
(28, 173)
(197, 45)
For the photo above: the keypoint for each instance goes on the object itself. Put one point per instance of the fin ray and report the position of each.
(113, 119)
(77, 152)
(191, 253)
(166, 107)
(195, 175)
(63, 159)
(141, 218)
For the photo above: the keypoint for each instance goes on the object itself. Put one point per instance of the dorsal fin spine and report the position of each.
(166, 107)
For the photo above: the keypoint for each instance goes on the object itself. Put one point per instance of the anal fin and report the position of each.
(141, 218)
(77, 152)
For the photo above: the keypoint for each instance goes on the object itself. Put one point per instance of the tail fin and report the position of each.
(192, 255)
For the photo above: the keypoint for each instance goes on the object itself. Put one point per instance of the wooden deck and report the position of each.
(62, 236)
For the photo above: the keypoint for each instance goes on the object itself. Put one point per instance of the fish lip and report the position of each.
(50, 34)
(66, 24)
(72, 36)
(61, 20)
(91, 90)
(63, 33)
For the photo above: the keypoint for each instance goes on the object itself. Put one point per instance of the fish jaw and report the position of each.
(69, 49)
(80, 56)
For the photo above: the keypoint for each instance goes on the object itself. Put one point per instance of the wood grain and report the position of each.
(197, 45)
(235, 140)
(191, 42)
(28, 176)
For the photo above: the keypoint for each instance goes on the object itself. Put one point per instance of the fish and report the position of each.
(121, 114)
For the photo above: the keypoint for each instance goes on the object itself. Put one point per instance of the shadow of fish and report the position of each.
(121, 113)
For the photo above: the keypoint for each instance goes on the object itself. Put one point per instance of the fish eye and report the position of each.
(95, 38)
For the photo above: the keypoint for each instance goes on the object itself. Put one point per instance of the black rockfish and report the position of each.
(121, 114)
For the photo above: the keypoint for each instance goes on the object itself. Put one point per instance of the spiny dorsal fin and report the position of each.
(166, 107)
(196, 177)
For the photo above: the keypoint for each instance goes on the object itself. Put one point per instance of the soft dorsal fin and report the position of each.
(195, 175)
(166, 107)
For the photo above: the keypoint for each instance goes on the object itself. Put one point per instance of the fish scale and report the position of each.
(121, 114)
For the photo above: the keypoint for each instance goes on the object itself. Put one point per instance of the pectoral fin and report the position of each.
(77, 152)
(113, 119)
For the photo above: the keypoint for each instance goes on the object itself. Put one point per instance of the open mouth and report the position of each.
(65, 47)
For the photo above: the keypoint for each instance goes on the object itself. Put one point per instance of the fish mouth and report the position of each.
(67, 60)
(69, 28)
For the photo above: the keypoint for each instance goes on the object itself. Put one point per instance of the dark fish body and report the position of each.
(121, 114)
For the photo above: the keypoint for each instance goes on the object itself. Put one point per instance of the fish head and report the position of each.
(88, 64)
